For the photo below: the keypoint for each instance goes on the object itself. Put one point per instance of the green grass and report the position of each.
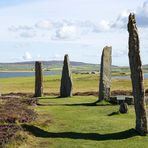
(81, 83)
(75, 123)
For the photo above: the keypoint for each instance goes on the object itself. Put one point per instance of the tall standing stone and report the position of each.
(137, 76)
(66, 80)
(38, 79)
(105, 74)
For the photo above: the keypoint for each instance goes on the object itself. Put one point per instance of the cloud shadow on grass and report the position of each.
(37, 132)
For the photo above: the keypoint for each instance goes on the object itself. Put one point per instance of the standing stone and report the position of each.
(137, 76)
(38, 80)
(105, 74)
(66, 80)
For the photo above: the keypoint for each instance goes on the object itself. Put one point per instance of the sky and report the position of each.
(48, 29)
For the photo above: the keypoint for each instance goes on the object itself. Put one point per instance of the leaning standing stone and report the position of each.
(66, 80)
(105, 74)
(137, 76)
(38, 80)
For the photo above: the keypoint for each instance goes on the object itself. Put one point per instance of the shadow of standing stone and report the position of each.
(66, 79)
(137, 76)
(38, 79)
(105, 74)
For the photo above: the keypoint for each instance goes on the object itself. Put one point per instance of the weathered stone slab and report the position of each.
(66, 79)
(137, 76)
(38, 79)
(105, 74)
(118, 100)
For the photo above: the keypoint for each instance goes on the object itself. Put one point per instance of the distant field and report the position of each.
(81, 83)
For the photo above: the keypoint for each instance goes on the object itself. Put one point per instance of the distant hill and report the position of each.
(57, 66)
(145, 66)
(47, 65)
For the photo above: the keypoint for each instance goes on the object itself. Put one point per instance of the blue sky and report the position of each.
(48, 29)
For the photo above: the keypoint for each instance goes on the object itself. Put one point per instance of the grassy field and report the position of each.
(75, 123)
(81, 83)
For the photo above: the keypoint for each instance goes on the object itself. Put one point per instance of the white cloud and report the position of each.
(57, 57)
(66, 29)
(119, 53)
(13, 28)
(38, 58)
(25, 27)
(67, 32)
(23, 31)
(28, 34)
(143, 10)
(142, 15)
(103, 25)
(19, 28)
(22, 45)
(44, 24)
(122, 19)
(27, 56)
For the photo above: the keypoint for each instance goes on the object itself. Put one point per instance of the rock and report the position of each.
(123, 108)
(94, 72)
(113, 100)
(105, 74)
(129, 100)
(38, 79)
(137, 76)
(66, 80)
